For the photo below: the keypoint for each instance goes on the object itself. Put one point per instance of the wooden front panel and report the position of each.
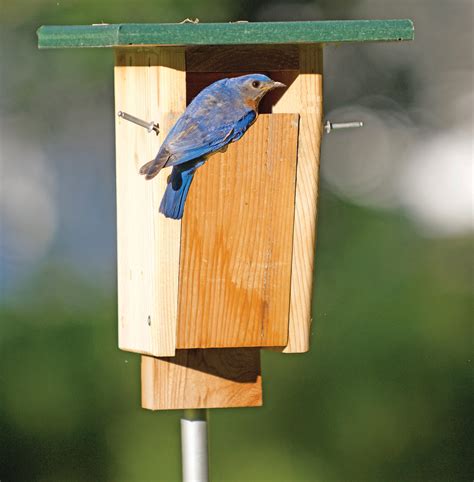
(236, 242)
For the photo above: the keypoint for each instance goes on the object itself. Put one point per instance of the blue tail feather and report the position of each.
(172, 204)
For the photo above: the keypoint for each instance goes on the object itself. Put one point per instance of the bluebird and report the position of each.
(218, 115)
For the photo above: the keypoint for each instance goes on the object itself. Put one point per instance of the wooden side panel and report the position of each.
(150, 84)
(236, 246)
(214, 378)
(305, 96)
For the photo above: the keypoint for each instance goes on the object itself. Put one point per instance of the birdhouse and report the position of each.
(201, 296)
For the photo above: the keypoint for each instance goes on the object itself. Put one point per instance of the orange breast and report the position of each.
(252, 103)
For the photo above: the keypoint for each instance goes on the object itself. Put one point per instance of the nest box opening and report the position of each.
(207, 64)
(197, 81)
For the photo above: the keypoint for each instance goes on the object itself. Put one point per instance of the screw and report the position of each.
(329, 126)
(149, 126)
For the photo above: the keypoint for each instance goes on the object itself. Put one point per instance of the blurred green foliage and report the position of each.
(385, 394)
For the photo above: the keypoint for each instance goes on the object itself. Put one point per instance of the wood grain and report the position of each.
(251, 58)
(304, 96)
(150, 84)
(236, 245)
(214, 378)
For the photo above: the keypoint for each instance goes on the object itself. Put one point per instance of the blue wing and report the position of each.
(212, 141)
(215, 118)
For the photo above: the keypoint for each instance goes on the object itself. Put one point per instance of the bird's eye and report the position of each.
(256, 84)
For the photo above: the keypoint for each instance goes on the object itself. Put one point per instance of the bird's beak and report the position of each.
(275, 85)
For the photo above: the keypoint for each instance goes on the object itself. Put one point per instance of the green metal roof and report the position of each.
(113, 35)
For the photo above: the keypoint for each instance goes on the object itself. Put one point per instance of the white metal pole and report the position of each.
(194, 446)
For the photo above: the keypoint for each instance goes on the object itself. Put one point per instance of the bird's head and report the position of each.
(254, 86)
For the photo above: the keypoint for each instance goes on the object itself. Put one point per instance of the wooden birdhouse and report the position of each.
(200, 297)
